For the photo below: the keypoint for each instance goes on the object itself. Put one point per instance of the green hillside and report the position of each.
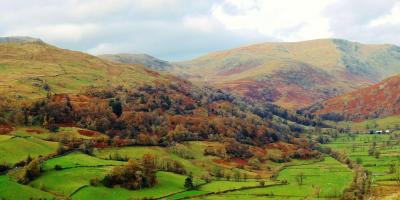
(30, 69)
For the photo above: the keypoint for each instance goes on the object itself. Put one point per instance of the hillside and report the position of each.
(294, 75)
(143, 59)
(30, 68)
(376, 101)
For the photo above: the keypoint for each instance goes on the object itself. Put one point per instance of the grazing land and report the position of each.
(377, 153)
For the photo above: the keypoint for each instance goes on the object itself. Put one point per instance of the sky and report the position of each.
(183, 29)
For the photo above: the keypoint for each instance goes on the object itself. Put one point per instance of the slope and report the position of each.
(30, 69)
(376, 101)
(143, 59)
(294, 75)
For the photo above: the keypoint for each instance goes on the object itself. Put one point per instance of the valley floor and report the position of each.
(321, 179)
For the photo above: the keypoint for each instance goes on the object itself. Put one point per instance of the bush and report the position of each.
(181, 151)
(58, 167)
(94, 181)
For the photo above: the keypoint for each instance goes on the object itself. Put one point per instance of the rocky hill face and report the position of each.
(376, 101)
(294, 75)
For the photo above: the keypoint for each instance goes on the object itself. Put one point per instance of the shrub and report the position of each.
(181, 151)
(94, 181)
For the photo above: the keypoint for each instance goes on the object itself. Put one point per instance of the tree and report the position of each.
(189, 182)
(52, 126)
(116, 106)
(300, 178)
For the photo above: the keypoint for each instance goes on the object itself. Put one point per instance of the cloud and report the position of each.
(393, 18)
(59, 32)
(287, 20)
(182, 29)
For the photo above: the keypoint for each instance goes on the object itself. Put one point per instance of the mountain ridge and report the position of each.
(322, 68)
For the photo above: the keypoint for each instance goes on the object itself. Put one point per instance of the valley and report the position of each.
(269, 121)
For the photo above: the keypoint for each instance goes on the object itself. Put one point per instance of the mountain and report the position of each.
(30, 68)
(46, 86)
(143, 59)
(19, 39)
(376, 101)
(294, 75)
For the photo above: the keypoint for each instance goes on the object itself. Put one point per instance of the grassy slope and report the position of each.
(77, 159)
(8, 190)
(17, 148)
(328, 64)
(357, 148)
(26, 67)
(330, 175)
(168, 183)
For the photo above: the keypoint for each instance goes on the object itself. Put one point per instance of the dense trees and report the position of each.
(134, 175)
(164, 114)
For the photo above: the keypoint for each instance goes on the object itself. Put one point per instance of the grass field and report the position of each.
(330, 176)
(362, 127)
(195, 166)
(12, 190)
(168, 183)
(357, 148)
(73, 180)
(78, 159)
(15, 149)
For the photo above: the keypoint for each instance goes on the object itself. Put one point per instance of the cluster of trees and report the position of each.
(33, 167)
(134, 175)
(164, 114)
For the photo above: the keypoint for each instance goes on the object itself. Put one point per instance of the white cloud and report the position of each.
(176, 29)
(393, 18)
(287, 20)
(200, 23)
(59, 32)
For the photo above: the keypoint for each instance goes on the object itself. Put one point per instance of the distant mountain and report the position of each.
(144, 59)
(295, 75)
(30, 69)
(19, 39)
(376, 101)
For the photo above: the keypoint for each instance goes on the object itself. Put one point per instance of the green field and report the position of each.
(77, 169)
(78, 159)
(15, 149)
(357, 149)
(12, 190)
(330, 176)
(168, 183)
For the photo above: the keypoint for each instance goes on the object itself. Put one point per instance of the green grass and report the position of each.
(381, 123)
(65, 182)
(139, 151)
(357, 149)
(5, 137)
(17, 148)
(78, 159)
(217, 186)
(168, 183)
(11, 190)
(329, 175)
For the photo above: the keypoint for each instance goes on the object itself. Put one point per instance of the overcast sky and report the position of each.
(183, 29)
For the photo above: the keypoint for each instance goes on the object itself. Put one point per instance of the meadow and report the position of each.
(379, 154)
(69, 175)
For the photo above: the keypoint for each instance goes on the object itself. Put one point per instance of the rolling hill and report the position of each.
(294, 75)
(30, 68)
(143, 59)
(376, 101)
